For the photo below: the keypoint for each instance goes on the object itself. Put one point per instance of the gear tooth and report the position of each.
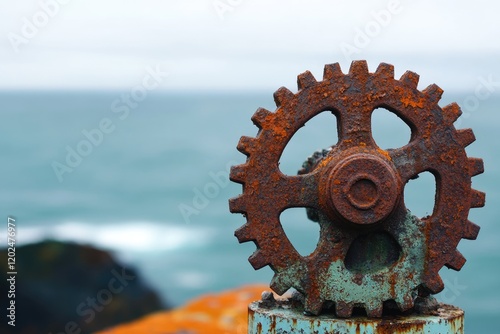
(313, 305)
(385, 70)
(404, 302)
(465, 137)
(359, 67)
(278, 284)
(243, 234)
(476, 166)
(238, 173)
(259, 117)
(374, 311)
(410, 78)
(435, 285)
(433, 92)
(343, 309)
(457, 261)
(305, 80)
(332, 71)
(451, 112)
(246, 145)
(237, 204)
(477, 199)
(258, 260)
(282, 96)
(471, 231)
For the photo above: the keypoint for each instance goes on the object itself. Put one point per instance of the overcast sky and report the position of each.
(241, 44)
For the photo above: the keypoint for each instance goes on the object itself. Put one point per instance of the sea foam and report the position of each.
(128, 236)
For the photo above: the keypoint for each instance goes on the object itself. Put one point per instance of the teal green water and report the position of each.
(153, 186)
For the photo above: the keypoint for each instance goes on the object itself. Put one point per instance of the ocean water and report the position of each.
(152, 187)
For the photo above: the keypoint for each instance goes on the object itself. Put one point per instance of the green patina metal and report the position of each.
(370, 285)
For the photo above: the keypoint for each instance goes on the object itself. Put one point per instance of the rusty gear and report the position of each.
(357, 191)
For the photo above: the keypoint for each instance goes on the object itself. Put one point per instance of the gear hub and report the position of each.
(371, 249)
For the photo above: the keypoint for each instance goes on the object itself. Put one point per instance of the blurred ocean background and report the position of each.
(154, 190)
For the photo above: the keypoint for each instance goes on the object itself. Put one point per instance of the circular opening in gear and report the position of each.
(318, 132)
(302, 234)
(372, 252)
(363, 193)
(389, 130)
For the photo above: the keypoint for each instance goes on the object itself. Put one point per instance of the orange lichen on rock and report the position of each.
(226, 312)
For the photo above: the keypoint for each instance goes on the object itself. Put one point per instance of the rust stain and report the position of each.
(389, 327)
(409, 101)
(385, 154)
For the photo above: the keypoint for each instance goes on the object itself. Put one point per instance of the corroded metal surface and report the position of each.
(285, 318)
(371, 249)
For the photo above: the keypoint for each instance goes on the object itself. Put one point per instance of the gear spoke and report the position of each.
(408, 161)
(355, 126)
(298, 191)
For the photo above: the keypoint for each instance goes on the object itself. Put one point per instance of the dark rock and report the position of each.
(66, 287)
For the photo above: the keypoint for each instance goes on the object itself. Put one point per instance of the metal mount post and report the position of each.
(285, 317)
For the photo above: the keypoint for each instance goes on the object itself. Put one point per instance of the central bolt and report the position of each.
(363, 188)
(362, 193)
